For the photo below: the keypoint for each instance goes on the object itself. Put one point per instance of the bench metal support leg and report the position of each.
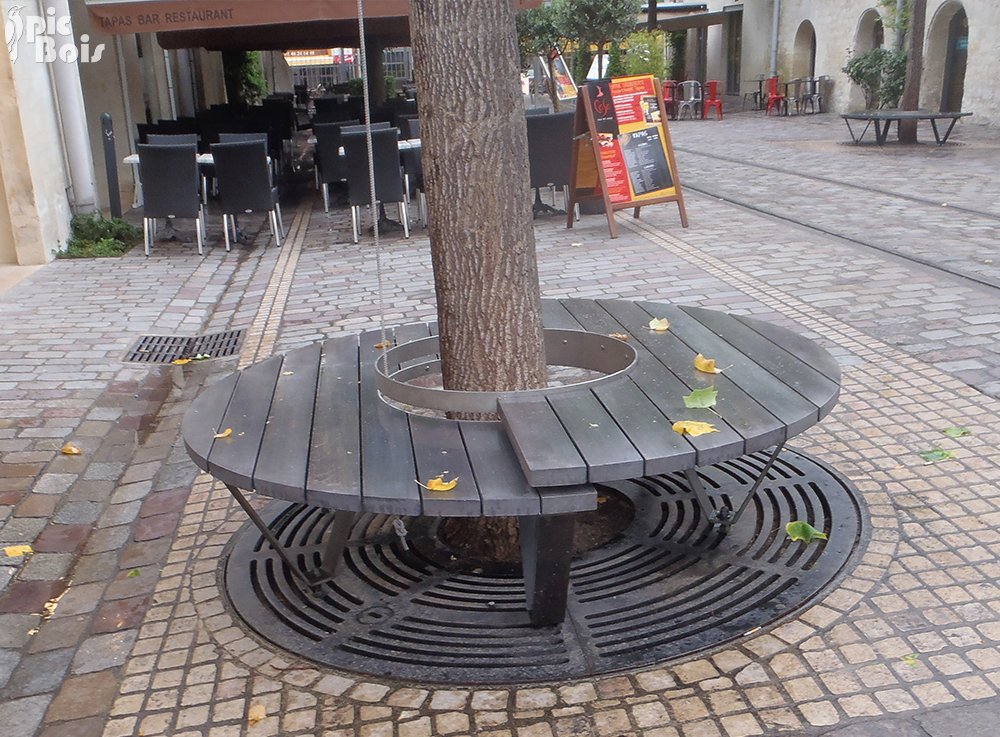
(546, 552)
(333, 553)
(724, 516)
(261, 525)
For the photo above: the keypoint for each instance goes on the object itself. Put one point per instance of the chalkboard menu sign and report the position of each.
(622, 152)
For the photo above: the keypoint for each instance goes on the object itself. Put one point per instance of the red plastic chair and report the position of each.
(773, 98)
(712, 99)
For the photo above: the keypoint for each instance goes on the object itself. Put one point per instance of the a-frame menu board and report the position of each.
(621, 149)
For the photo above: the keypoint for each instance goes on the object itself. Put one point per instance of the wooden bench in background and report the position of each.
(883, 120)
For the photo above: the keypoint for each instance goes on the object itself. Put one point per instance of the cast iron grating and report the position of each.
(669, 586)
(167, 348)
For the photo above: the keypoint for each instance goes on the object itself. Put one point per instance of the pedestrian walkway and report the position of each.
(115, 624)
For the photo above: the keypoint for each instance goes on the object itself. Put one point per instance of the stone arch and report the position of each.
(945, 58)
(870, 34)
(804, 51)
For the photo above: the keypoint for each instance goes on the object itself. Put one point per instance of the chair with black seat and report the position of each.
(245, 185)
(407, 124)
(205, 171)
(170, 188)
(550, 153)
(388, 180)
(536, 111)
(328, 164)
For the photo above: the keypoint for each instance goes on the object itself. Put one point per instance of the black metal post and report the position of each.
(111, 165)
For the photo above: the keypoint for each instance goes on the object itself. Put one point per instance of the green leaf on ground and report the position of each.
(911, 659)
(801, 530)
(935, 454)
(133, 573)
(701, 398)
(956, 432)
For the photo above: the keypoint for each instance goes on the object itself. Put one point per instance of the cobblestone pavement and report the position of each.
(115, 625)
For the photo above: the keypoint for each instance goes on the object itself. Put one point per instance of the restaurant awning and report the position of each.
(258, 24)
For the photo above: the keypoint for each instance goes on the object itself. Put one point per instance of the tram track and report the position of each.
(705, 187)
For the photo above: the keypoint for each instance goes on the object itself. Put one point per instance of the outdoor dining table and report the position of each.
(314, 427)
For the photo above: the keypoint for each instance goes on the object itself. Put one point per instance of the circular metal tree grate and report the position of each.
(668, 586)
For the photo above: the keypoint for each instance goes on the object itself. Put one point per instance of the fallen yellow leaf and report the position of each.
(659, 324)
(181, 361)
(256, 713)
(439, 484)
(693, 428)
(383, 345)
(70, 450)
(224, 434)
(618, 336)
(706, 364)
(17, 551)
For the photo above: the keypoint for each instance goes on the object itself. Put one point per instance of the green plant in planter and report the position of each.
(92, 236)
(355, 87)
(880, 73)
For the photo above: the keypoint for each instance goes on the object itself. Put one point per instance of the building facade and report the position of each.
(815, 38)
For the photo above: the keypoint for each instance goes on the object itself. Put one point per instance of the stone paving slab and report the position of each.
(139, 641)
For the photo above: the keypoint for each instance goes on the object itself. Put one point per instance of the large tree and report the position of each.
(914, 70)
(475, 158)
(597, 22)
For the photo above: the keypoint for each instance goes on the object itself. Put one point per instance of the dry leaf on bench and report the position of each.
(383, 345)
(224, 434)
(618, 336)
(693, 428)
(706, 364)
(439, 484)
(659, 324)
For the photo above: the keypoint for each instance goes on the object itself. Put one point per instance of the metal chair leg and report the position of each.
(201, 249)
(274, 228)
(147, 233)
(281, 223)
(404, 216)
(326, 198)
(225, 230)
(355, 215)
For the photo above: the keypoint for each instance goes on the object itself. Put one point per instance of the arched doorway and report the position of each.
(804, 51)
(946, 57)
(869, 35)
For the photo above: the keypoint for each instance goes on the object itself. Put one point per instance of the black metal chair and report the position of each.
(388, 180)
(170, 188)
(550, 153)
(205, 171)
(536, 111)
(409, 126)
(245, 185)
(328, 164)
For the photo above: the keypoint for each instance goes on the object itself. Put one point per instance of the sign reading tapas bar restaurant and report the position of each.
(622, 152)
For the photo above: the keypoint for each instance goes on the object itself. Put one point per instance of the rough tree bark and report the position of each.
(474, 150)
(914, 69)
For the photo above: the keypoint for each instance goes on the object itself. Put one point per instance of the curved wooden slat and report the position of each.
(204, 418)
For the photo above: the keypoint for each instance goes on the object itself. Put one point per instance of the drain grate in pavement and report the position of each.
(167, 348)
(668, 586)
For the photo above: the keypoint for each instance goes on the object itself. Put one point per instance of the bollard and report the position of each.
(111, 165)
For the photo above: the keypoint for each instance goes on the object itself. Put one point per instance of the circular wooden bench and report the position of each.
(310, 427)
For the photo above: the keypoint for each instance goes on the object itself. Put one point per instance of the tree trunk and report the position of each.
(475, 157)
(652, 22)
(553, 85)
(914, 68)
